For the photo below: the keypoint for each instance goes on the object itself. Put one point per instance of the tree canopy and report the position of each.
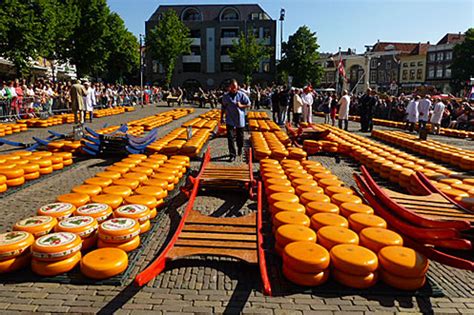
(300, 56)
(462, 68)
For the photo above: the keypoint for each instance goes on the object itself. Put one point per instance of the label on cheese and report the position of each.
(56, 207)
(92, 208)
(56, 239)
(34, 221)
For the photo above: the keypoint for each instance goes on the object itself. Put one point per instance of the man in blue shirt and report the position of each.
(234, 103)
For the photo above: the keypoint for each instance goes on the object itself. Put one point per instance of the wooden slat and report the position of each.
(188, 227)
(215, 243)
(218, 236)
(249, 256)
(249, 220)
(434, 209)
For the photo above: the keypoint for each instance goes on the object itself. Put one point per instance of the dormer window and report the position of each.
(230, 14)
(191, 14)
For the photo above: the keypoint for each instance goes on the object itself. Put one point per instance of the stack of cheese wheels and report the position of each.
(376, 238)
(56, 253)
(288, 233)
(121, 233)
(13, 173)
(15, 250)
(99, 211)
(402, 267)
(104, 263)
(306, 263)
(57, 162)
(149, 201)
(66, 157)
(138, 212)
(38, 225)
(58, 210)
(45, 163)
(354, 266)
(84, 226)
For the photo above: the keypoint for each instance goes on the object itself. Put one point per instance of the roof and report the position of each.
(451, 38)
(420, 49)
(210, 11)
(387, 46)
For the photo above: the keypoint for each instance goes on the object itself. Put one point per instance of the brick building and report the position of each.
(412, 68)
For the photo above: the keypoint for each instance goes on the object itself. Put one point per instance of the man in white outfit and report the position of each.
(307, 105)
(437, 115)
(412, 113)
(424, 106)
(343, 115)
(89, 99)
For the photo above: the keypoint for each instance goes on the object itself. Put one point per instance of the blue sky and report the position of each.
(341, 23)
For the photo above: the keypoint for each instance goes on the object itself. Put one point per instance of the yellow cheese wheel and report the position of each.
(141, 213)
(353, 281)
(453, 193)
(124, 164)
(300, 175)
(122, 191)
(99, 181)
(157, 183)
(119, 230)
(154, 191)
(305, 279)
(16, 181)
(332, 190)
(58, 166)
(113, 201)
(268, 175)
(140, 157)
(53, 268)
(32, 168)
(339, 199)
(353, 259)
(12, 173)
(402, 283)
(312, 197)
(348, 208)
(108, 174)
(329, 182)
(149, 201)
(308, 189)
(158, 157)
(3, 179)
(99, 211)
(282, 197)
(38, 226)
(375, 238)
(3, 188)
(126, 246)
(330, 236)
(90, 190)
(321, 219)
(450, 181)
(321, 207)
(304, 182)
(15, 263)
(13, 244)
(127, 182)
(360, 221)
(288, 233)
(83, 226)
(144, 170)
(31, 176)
(468, 181)
(75, 199)
(279, 182)
(119, 169)
(137, 176)
(56, 246)
(290, 217)
(403, 261)
(104, 263)
(287, 206)
(145, 227)
(58, 210)
(320, 176)
(67, 162)
(306, 257)
(153, 213)
(46, 170)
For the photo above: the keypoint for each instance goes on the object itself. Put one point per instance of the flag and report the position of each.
(340, 68)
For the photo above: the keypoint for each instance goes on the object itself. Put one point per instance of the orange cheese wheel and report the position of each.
(12, 173)
(108, 174)
(154, 191)
(145, 227)
(348, 208)
(15, 263)
(156, 182)
(288, 233)
(321, 219)
(68, 162)
(104, 263)
(137, 176)
(42, 153)
(320, 176)
(83, 226)
(119, 230)
(308, 189)
(32, 168)
(131, 183)
(339, 199)
(56, 246)
(306, 257)
(122, 191)
(138, 212)
(140, 157)
(53, 268)
(290, 217)
(329, 182)
(312, 197)
(403, 261)
(113, 201)
(46, 170)
(353, 259)
(13, 244)
(126, 246)
(38, 226)
(360, 221)
(153, 213)
(158, 157)
(375, 238)
(3, 179)
(16, 181)
(353, 281)
(268, 175)
(287, 206)
(90, 190)
(123, 164)
(153, 165)
(99, 181)
(279, 182)
(99, 211)
(58, 166)
(304, 182)
(453, 193)
(282, 197)
(3, 188)
(272, 189)
(119, 169)
(131, 161)
(332, 190)
(321, 207)
(296, 175)
(74, 198)
(58, 210)
(402, 283)
(450, 181)
(149, 201)
(31, 176)
(330, 236)
(305, 279)
(144, 170)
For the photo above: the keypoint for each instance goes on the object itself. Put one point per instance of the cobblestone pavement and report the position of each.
(198, 285)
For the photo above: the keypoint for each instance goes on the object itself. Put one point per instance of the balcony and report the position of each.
(228, 41)
(196, 41)
(225, 58)
(191, 58)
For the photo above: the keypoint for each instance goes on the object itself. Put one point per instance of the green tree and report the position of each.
(167, 41)
(246, 54)
(300, 56)
(462, 68)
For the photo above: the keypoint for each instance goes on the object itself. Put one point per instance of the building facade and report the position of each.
(412, 68)
(213, 30)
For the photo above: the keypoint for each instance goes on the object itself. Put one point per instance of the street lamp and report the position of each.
(141, 67)
(282, 18)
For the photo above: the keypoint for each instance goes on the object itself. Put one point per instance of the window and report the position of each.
(449, 55)
(227, 67)
(225, 50)
(229, 14)
(420, 63)
(412, 64)
(432, 56)
(191, 14)
(331, 76)
(439, 72)
(195, 33)
(266, 32)
(405, 75)
(381, 76)
(412, 74)
(447, 71)
(254, 16)
(195, 51)
(229, 32)
(373, 76)
(440, 56)
(405, 64)
(419, 74)
(266, 66)
(431, 72)
(373, 63)
(192, 67)
(388, 64)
